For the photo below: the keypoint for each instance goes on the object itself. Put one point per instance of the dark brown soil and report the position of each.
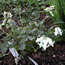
(52, 56)
(7, 60)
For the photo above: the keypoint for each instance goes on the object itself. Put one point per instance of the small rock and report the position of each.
(54, 56)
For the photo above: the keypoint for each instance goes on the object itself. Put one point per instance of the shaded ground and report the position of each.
(52, 56)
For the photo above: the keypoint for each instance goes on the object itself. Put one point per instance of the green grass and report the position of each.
(60, 9)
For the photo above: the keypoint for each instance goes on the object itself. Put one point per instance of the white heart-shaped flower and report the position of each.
(45, 42)
(58, 30)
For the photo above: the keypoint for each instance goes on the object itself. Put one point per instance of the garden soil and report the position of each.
(52, 56)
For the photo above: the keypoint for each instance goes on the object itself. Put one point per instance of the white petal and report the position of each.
(58, 30)
(5, 12)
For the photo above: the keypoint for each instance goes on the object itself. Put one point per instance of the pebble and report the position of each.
(54, 56)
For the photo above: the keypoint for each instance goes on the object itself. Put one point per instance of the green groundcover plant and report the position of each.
(26, 30)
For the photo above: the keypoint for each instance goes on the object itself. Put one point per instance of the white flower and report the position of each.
(58, 30)
(45, 42)
(49, 9)
(7, 14)
(52, 7)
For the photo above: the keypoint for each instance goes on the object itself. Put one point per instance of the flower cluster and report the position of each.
(49, 9)
(45, 42)
(58, 30)
(6, 16)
